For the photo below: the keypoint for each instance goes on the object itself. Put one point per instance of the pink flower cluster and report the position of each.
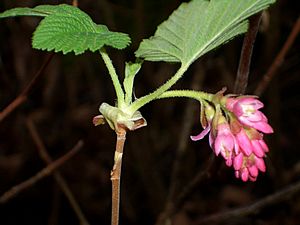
(238, 137)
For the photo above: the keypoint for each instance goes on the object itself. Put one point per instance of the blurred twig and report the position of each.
(75, 3)
(175, 198)
(278, 60)
(252, 208)
(24, 94)
(57, 176)
(241, 81)
(41, 174)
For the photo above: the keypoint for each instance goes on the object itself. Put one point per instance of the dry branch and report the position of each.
(40, 175)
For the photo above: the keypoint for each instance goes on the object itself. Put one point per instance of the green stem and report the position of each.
(197, 95)
(114, 77)
(150, 97)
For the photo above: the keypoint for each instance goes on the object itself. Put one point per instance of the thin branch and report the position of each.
(41, 174)
(241, 81)
(57, 175)
(116, 176)
(202, 175)
(278, 60)
(24, 94)
(174, 206)
(253, 208)
(75, 3)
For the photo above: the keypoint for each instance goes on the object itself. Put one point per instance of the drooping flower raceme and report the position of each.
(236, 132)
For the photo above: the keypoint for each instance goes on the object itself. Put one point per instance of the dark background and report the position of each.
(65, 99)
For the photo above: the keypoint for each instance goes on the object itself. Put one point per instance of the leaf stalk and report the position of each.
(159, 91)
(114, 78)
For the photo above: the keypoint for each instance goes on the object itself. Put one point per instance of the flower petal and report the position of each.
(259, 162)
(201, 135)
(263, 127)
(245, 174)
(238, 161)
(257, 149)
(244, 142)
(264, 145)
(253, 171)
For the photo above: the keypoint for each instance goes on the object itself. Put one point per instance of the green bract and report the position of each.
(198, 27)
(131, 69)
(66, 28)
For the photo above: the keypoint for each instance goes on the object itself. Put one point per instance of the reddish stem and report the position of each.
(24, 94)
(241, 81)
(116, 176)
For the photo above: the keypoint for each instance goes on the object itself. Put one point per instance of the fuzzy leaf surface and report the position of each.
(198, 27)
(41, 10)
(66, 28)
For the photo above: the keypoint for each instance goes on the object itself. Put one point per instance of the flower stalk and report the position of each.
(197, 95)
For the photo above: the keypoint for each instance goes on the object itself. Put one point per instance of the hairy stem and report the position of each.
(150, 97)
(197, 95)
(114, 77)
(116, 176)
(241, 81)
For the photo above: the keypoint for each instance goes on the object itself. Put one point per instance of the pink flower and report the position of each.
(202, 133)
(207, 115)
(225, 143)
(248, 167)
(246, 109)
(236, 134)
(244, 142)
(259, 148)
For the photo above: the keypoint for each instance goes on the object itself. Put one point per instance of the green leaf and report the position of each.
(66, 28)
(198, 27)
(42, 10)
(131, 69)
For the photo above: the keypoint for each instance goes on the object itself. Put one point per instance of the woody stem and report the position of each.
(116, 175)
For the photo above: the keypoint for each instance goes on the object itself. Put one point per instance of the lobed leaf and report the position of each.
(68, 29)
(41, 10)
(198, 27)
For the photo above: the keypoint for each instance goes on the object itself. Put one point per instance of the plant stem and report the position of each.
(24, 94)
(150, 97)
(114, 77)
(197, 95)
(251, 209)
(241, 81)
(56, 174)
(116, 175)
(40, 175)
(278, 60)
